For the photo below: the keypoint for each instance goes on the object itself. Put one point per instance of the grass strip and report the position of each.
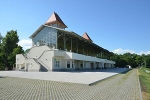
(144, 78)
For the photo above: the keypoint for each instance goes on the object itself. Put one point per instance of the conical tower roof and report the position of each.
(86, 36)
(55, 19)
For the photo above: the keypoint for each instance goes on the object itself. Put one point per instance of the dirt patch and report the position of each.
(145, 96)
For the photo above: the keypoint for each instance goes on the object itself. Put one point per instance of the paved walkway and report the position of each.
(119, 87)
(71, 77)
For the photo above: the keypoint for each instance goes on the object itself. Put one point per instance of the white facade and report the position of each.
(43, 58)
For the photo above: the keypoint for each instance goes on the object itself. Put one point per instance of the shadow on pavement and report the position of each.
(2, 77)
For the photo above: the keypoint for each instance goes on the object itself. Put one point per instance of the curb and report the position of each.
(101, 80)
(106, 78)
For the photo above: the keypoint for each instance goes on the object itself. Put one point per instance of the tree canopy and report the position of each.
(8, 50)
(131, 59)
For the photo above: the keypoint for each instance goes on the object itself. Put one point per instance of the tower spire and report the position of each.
(55, 20)
(86, 36)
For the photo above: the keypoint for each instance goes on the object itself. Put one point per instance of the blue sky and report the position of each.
(116, 25)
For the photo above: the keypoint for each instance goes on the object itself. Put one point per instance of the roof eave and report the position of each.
(75, 34)
(41, 27)
(47, 23)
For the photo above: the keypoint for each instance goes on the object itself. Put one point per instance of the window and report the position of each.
(72, 64)
(51, 37)
(56, 63)
(68, 64)
(81, 64)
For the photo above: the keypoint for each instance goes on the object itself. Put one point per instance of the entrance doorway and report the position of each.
(105, 66)
(92, 66)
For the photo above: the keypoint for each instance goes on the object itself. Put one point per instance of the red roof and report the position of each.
(54, 18)
(86, 36)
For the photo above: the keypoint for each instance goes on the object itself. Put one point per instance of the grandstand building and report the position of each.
(56, 49)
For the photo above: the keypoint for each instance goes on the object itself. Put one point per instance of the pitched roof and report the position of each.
(54, 18)
(86, 36)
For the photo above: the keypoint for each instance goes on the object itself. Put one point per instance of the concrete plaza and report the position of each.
(82, 77)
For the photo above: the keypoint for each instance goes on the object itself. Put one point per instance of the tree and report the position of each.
(139, 60)
(147, 60)
(127, 59)
(8, 49)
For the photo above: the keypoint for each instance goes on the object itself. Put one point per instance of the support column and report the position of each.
(101, 54)
(71, 44)
(77, 47)
(102, 65)
(90, 52)
(64, 42)
(106, 56)
(83, 49)
(83, 64)
(87, 51)
(94, 65)
(57, 41)
(94, 52)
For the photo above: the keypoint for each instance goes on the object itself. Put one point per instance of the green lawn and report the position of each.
(147, 69)
(145, 82)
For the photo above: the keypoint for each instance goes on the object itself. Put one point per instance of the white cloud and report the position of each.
(143, 52)
(26, 44)
(121, 51)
